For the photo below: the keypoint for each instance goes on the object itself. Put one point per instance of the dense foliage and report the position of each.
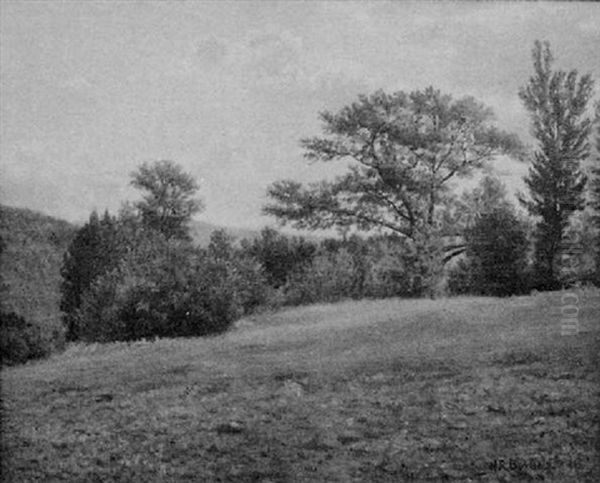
(496, 250)
(279, 255)
(93, 251)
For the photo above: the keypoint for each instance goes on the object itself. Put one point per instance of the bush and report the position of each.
(280, 256)
(167, 288)
(329, 277)
(387, 274)
(21, 340)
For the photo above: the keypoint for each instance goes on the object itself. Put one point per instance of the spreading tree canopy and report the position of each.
(557, 102)
(404, 149)
(168, 203)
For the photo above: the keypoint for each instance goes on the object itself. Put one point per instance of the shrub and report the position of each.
(386, 275)
(280, 256)
(167, 288)
(21, 340)
(329, 277)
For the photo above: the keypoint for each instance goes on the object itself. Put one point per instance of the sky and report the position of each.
(91, 89)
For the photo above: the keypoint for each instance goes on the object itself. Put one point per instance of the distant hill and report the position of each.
(32, 254)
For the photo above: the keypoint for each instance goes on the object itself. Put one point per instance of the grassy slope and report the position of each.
(389, 390)
(31, 261)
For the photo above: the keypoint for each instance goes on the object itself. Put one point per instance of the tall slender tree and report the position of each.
(595, 191)
(557, 102)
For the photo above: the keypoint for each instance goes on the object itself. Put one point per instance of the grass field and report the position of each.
(464, 389)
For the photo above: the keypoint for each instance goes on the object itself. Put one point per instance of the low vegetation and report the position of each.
(463, 389)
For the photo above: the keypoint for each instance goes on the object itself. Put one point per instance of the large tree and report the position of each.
(404, 150)
(168, 203)
(557, 102)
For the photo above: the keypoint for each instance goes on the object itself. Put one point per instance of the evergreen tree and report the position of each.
(93, 251)
(557, 102)
(496, 250)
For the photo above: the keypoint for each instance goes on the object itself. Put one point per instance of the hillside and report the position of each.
(34, 246)
(464, 389)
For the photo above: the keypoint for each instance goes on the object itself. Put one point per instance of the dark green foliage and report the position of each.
(279, 255)
(329, 277)
(168, 288)
(557, 102)
(168, 202)
(383, 266)
(19, 340)
(245, 276)
(93, 252)
(460, 214)
(496, 256)
(22, 340)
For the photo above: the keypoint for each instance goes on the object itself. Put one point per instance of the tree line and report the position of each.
(138, 274)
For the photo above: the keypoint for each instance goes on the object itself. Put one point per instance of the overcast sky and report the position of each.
(89, 90)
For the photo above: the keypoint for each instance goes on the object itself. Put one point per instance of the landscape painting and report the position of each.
(276, 241)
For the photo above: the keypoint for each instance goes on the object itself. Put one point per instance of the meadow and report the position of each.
(457, 389)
